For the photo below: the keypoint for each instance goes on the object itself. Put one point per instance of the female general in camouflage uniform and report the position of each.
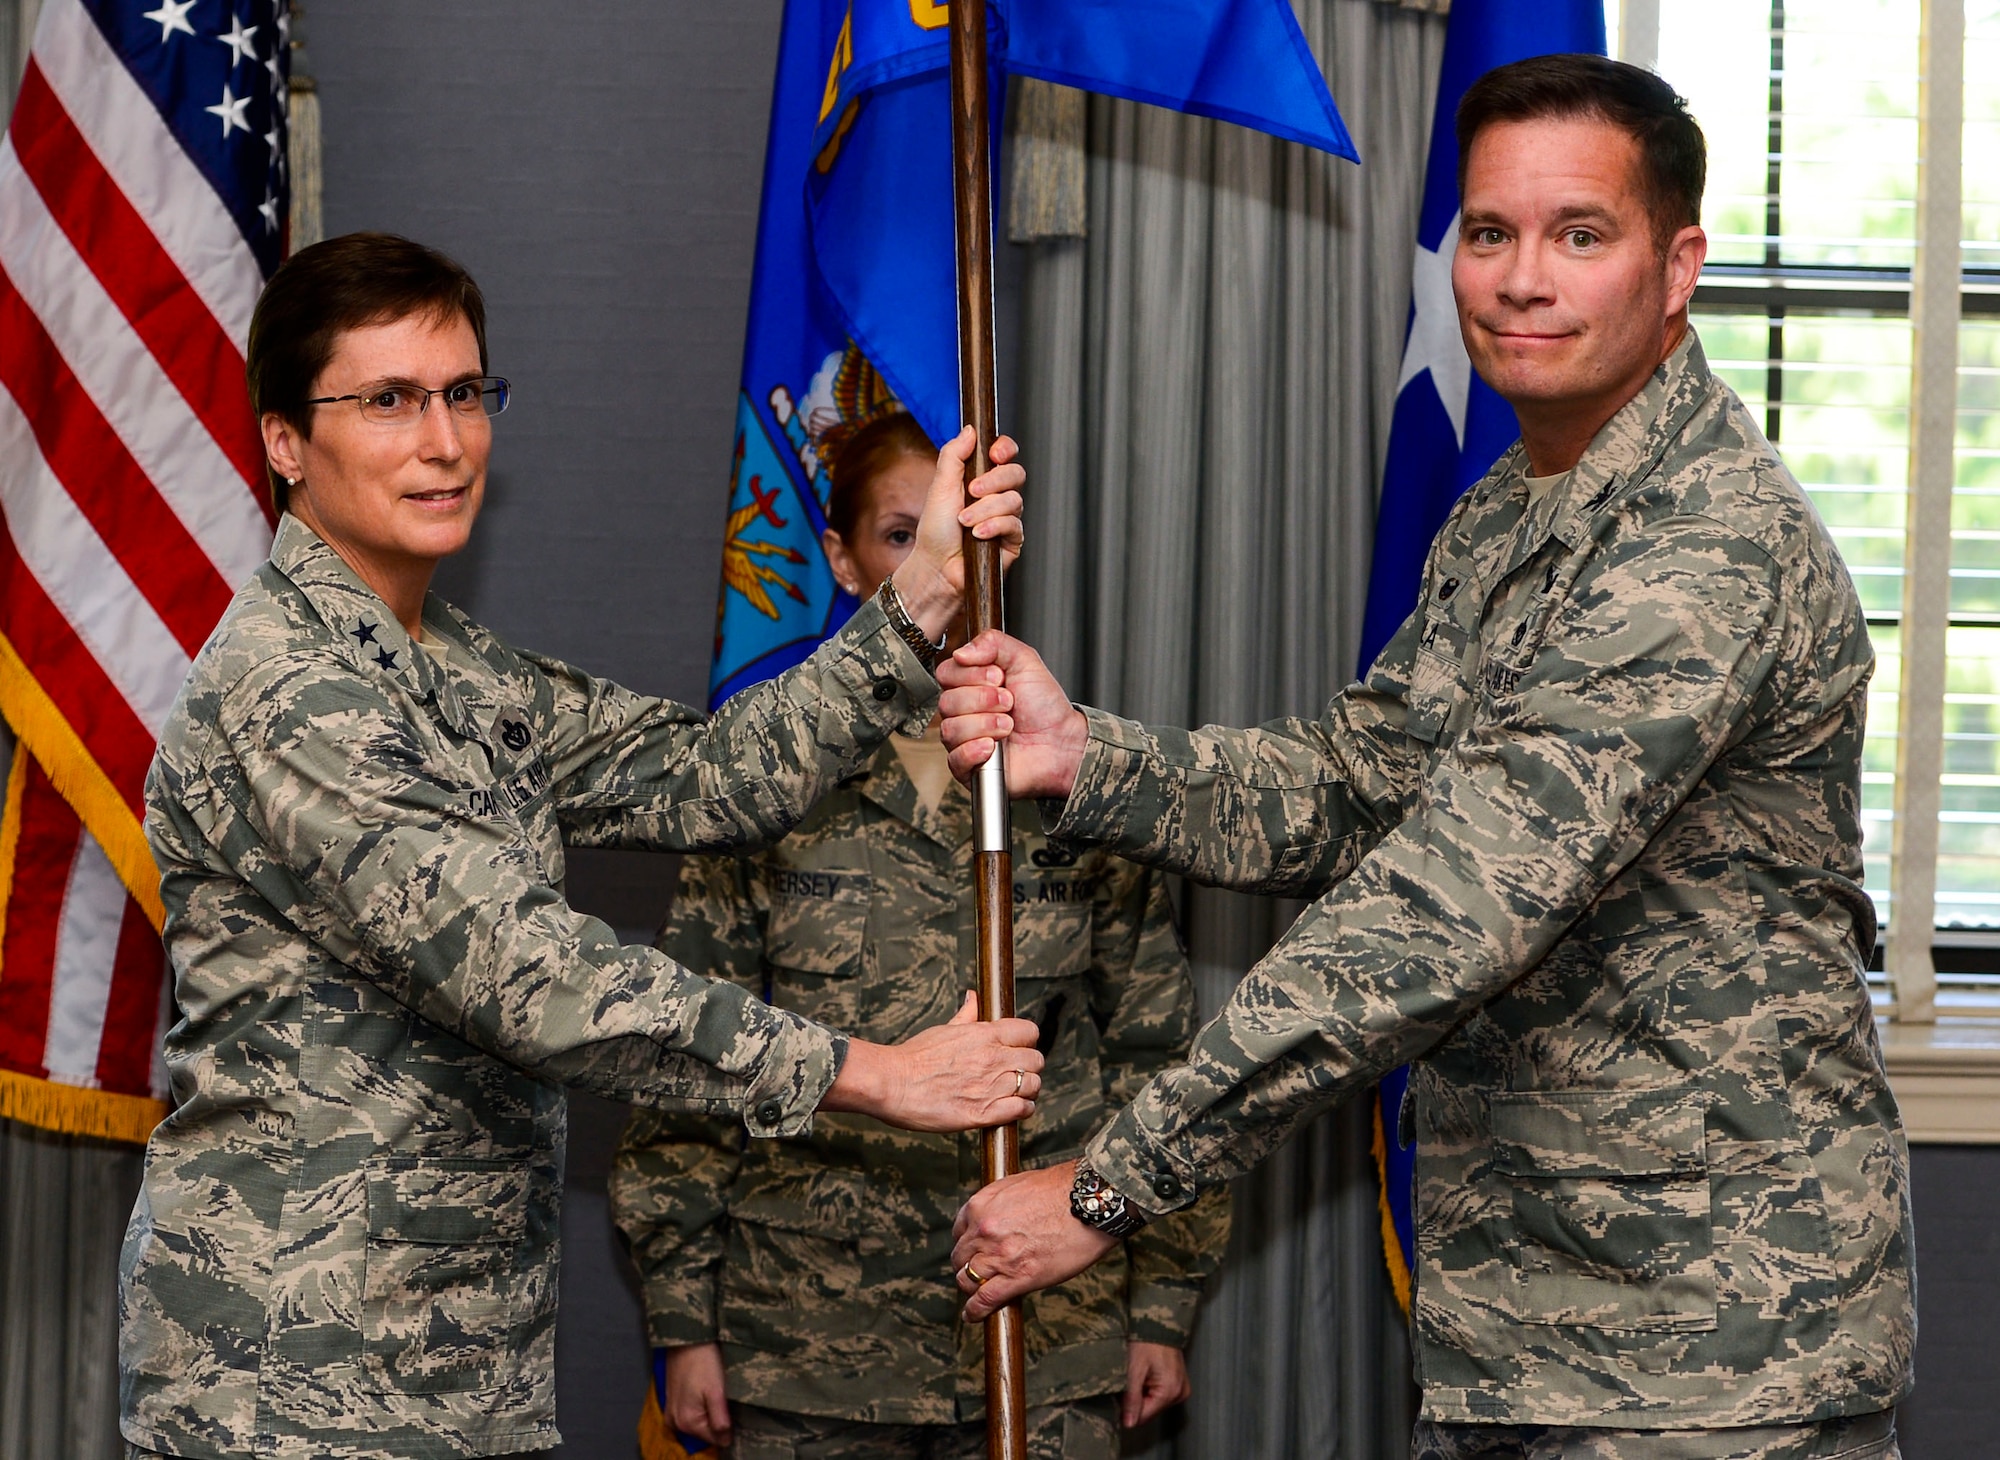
(346, 1239)
(816, 1269)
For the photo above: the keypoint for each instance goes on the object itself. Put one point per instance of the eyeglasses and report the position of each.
(404, 405)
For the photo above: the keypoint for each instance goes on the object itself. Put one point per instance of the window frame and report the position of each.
(1945, 1069)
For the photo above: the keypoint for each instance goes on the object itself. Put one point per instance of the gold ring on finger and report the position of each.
(1020, 1079)
(977, 1280)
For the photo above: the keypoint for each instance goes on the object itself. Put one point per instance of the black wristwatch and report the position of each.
(1095, 1204)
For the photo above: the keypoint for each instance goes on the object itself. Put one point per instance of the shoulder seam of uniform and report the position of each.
(1680, 509)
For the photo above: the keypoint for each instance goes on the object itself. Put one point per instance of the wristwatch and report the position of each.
(906, 627)
(1095, 1204)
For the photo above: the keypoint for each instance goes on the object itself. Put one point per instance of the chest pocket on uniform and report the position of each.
(1052, 922)
(1515, 638)
(438, 1285)
(818, 919)
(1611, 1220)
(1435, 687)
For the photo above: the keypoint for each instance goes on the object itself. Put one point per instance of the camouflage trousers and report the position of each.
(1858, 1437)
(1085, 1429)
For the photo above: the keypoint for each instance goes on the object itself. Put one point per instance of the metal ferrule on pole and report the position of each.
(991, 818)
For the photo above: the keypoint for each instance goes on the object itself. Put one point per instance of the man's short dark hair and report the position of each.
(1673, 156)
(342, 284)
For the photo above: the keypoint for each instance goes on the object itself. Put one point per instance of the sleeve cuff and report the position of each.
(1162, 1313)
(881, 675)
(798, 1069)
(680, 1313)
(1138, 1168)
(1101, 797)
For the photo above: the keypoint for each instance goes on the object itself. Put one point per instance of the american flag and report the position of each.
(143, 201)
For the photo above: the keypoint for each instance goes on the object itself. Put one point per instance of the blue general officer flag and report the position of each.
(1449, 429)
(854, 298)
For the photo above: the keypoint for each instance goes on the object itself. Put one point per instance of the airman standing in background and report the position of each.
(808, 1279)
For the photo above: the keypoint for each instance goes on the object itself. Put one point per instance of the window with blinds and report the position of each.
(1810, 110)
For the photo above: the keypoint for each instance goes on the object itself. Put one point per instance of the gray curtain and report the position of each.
(1206, 381)
(17, 29)
(63, 1204)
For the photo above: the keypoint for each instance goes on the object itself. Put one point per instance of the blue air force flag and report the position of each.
(853, 307)
(1449, 429)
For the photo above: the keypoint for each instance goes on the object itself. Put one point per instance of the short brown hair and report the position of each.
(876, 446)
(1673, 155)
(342, 284)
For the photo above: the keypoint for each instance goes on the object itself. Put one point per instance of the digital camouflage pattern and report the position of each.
(1083, 1429)
(822, 1262)
(1586, 845)
(346, 1239)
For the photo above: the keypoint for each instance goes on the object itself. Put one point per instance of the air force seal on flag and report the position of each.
(779, 599)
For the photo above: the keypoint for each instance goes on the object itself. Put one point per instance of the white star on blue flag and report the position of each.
(230, 109)
(238, 40)
(1435, 342)
(171, 17)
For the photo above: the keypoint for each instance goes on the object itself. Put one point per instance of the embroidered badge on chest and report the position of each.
(515, 734)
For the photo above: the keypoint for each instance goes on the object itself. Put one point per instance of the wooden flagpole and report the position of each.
(972, 190)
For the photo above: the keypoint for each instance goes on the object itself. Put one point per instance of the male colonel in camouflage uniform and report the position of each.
(821, 1262)
(345, 1244)
(1586, 846)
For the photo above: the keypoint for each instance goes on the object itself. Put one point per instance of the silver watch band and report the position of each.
(906, 627)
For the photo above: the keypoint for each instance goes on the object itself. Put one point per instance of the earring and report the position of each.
(291, 481)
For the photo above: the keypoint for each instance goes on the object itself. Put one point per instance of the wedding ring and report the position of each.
(1020, 1078)
(977, 1280)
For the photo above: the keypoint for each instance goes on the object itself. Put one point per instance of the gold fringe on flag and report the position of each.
(10, 833)
(76, 775)
(72, 1110)
(302, 162)
(1046, 196)
(1392, 1245)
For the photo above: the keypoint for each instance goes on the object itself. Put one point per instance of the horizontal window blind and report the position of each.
(1810, 110)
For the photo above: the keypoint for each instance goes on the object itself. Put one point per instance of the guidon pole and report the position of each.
(993, 871)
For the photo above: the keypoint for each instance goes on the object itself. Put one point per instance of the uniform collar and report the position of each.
(1623, 450)
(1626, 446)
(368, 634)
(889, 786)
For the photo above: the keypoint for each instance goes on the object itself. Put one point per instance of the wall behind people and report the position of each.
(596, 168)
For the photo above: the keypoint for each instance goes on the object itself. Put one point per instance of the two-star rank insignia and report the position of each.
(363, 633)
